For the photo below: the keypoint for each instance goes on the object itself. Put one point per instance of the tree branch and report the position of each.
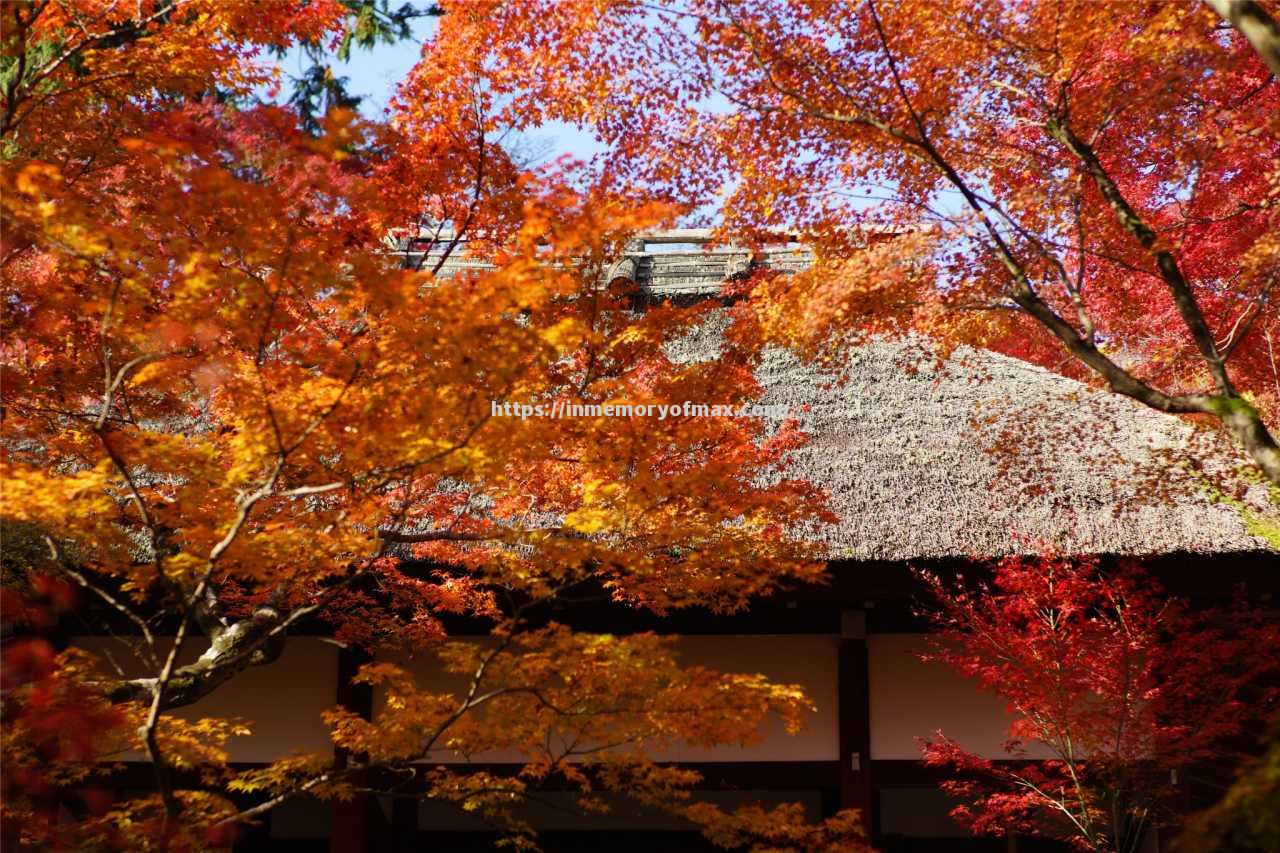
(233, 650)
(1179, 289)
(1252, 22)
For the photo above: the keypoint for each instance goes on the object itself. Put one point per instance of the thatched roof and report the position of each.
(908, 451)
(910, 464)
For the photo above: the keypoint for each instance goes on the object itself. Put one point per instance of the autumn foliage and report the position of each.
(232, 413)
(1125, 689)
(1088, 185)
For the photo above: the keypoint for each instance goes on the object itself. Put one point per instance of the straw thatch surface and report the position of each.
(911, 464)
(985, 456)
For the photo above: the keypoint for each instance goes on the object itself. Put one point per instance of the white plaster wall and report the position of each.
(808, 659)
(280, 702)
(911, 699)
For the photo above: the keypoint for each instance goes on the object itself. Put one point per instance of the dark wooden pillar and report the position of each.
(853, 693)
(404, 824)
(10, 832)
(352, 826)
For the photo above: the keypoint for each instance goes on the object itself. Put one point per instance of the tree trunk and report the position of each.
(1253, 22)
(1246, 427)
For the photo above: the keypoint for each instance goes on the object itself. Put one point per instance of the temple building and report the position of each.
(905, 456)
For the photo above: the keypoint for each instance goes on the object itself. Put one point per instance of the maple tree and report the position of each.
(230, 415)
(1094, 180)
(1126, 688)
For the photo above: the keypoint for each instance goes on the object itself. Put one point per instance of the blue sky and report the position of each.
(375, 73)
